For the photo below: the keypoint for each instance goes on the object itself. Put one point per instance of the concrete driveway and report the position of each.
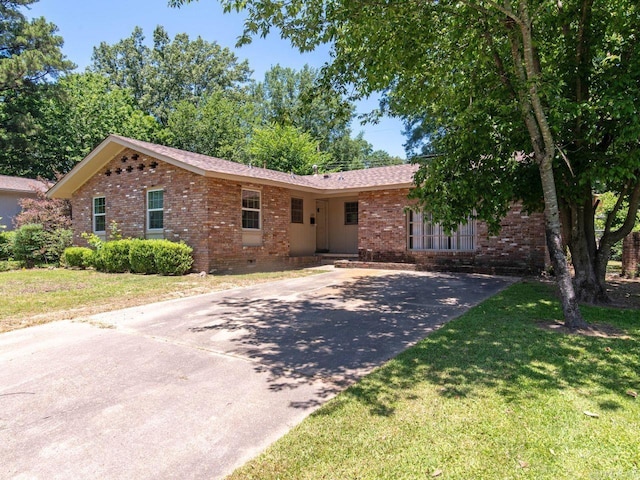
(192, 388)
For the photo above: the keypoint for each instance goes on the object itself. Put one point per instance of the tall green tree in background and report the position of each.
(284, 148)
(500, 89)
(299, 99)
(169, 72)
(219, 125)
(30, 56)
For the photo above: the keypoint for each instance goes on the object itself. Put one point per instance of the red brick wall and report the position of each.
(203, 212)
(518, 248)
(185, 201)
(631, 255)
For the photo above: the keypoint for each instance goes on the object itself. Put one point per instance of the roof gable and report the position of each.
(342, 182)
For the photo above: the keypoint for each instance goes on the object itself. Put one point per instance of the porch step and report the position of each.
(331, 258)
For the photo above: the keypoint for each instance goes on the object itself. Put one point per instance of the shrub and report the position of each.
(6, 245)
(29, 244)
(113, 257)
(79, 257)
(172, 258)
(142, 256)
(55, 243)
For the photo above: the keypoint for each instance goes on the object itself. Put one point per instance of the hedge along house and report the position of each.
(238, 217)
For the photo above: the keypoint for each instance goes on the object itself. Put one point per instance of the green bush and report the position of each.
(79, 257)
(55, 243)
(6, 245)
(142, 256)
(29, 244)
(172, 258)
(113, 257)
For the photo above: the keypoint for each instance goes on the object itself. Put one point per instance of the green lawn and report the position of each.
(489, 396)
(40, 295)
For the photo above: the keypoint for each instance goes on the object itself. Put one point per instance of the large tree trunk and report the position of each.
(570, 308)
(589, 261)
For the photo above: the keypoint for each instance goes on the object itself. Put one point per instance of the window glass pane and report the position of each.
(250, 219)
(156, 219)
(251, 199)
(100, 223)
(351, 213)
(99, 205)
(297, 210)
(156, 199)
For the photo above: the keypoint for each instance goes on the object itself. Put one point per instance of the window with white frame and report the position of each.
(251, 209)
(155, 209)
(424, 234)
(99, 215)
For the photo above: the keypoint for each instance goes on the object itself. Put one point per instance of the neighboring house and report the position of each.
(12, 191)
(238, 217)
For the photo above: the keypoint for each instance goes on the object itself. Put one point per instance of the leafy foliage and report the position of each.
(77, 257)
(51, 213)
(172, 258)
(171, 71)
(30, 55)
(286, 149)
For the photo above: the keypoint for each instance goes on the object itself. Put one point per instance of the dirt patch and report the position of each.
(624, 292)
(601, 330)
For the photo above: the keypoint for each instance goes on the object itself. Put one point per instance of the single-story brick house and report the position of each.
(12, 191)
(238, 217)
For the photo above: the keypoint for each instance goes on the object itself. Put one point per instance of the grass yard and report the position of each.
(32, 297)
(491, 395)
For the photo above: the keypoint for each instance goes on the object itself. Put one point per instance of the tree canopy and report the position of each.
(30, 57)
(169, 72)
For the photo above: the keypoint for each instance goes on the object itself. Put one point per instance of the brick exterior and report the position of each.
(631, 255)
(519, 248)
(203, 212)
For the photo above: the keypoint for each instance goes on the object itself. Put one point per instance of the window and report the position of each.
(426, 235)
(297, 210)
(351, 213)
(99, 214)
(155, 209)
(251, 209)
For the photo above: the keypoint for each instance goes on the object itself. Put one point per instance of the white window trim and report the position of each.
(434, 239)
(94, 215)
(149, 210)
(259, 210)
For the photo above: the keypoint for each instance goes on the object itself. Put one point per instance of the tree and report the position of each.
(70, 118)
(219, 125)
(171, 71)
(501, 90)
(30, 56)
(29, 50)
(299, 99)
(285, 149)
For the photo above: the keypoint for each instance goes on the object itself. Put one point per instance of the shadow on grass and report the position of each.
(338, 333)
(498, 345)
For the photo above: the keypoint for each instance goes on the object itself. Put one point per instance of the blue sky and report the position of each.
(85, 23)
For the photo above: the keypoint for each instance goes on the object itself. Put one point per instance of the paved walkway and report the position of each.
(192, 388)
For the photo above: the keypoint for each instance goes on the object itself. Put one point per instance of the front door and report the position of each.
(322, 229)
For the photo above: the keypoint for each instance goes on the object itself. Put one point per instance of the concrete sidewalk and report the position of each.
(192, 388)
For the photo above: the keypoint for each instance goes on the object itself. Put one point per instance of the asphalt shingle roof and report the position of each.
(19, 184)
(353, 179)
